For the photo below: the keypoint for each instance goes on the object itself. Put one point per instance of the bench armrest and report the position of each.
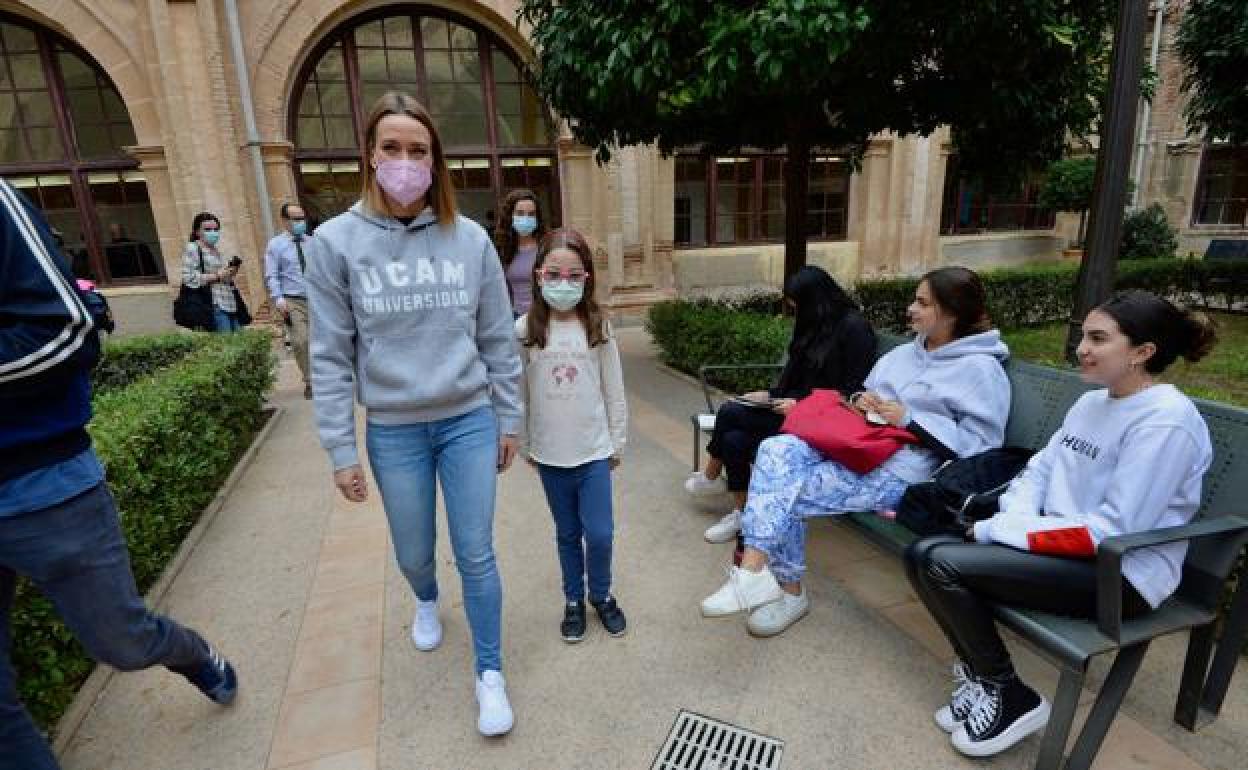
(1111, 550)
(706, 385)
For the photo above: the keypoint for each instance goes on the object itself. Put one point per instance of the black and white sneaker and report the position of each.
(214, 677)
(965, 689)
(611, 615)
(572, 629)
(1001, 715)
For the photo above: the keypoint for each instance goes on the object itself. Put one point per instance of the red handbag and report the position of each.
(838, 432)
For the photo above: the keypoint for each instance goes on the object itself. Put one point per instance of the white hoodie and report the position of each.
(1116, 466)
(958, 393)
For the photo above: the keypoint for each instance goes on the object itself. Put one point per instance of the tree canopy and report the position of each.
(1213, 44)
(1014, 78)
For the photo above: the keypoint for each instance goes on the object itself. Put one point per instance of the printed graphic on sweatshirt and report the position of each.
(1080, 446)
(425, 284)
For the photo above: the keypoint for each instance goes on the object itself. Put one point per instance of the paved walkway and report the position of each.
(300, 590)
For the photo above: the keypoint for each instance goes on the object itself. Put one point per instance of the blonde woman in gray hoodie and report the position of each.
(410, 315)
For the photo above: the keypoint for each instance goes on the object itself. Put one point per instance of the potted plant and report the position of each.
(1068, 187)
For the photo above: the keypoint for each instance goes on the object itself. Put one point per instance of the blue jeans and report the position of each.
(227, 323)
(75, 554)
(462, 454)
(580, 501)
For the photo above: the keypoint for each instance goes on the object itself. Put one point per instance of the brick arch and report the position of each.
(115, 50)
(293, 28)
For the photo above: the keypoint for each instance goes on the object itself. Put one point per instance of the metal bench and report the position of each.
(1041, 397)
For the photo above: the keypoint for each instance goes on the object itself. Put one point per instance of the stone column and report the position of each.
(170, 229)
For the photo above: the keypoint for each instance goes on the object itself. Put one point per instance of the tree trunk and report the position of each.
(1109, 195)
(796, 186)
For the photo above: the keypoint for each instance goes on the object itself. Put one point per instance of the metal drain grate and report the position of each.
(701, 743)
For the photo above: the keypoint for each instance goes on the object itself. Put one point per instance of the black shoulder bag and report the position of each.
(193, 307)
(961, 492)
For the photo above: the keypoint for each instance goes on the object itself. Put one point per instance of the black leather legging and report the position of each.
(738, 432)
(956, 580)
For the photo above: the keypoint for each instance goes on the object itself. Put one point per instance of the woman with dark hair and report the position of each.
(423, 337)
(203, 265)
(832, 347)
(516, 236)
(947, 388)
(1098, 477)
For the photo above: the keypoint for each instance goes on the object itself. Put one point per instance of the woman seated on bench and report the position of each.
(1128, 458)
(947, 387)
(832, 347)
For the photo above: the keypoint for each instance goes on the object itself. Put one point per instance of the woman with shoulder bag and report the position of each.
(947, 388)
(204, 267)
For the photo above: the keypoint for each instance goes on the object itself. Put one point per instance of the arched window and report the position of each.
(62, 130)
(494, 130)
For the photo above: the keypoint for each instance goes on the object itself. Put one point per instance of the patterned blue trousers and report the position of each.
(791, 482)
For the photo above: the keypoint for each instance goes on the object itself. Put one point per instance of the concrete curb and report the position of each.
(100, 676)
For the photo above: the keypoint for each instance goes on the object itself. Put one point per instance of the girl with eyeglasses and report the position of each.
(577, 421)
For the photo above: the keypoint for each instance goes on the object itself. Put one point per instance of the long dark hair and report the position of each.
(960, 293)
(537, 320)
(1176, 331)
(821, 305)
(505, 238)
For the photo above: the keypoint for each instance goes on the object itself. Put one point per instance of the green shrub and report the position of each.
(693, 334)
(167, 442)
(126, 360)
(1147, 234)
(1068, 186)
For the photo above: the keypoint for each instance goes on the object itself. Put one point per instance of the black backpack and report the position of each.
(961, 492)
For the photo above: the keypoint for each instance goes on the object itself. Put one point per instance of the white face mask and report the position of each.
(563, 295)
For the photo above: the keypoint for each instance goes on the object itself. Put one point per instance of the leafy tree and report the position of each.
(1014, 78)
(1068, 187)
(1213, 44)
(1147, 234)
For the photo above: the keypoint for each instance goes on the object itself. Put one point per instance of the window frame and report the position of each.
(758, 198)
(487, 43)
(1199, 198)
(71, 164)
(951, 194)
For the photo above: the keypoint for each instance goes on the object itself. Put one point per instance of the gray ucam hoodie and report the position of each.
(413, 320)
(958, 394)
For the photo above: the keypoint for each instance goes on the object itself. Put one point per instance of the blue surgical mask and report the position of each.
(211, 237)
(299, 228)
(563, 295)
(524, 224)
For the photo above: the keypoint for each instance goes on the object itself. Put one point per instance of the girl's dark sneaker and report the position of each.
(214, 677)
(611, 615)
(1003, 714)
(572, 629)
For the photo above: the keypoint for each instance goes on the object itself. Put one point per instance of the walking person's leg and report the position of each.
(402, 460)
(22, 745)
(560, 485)
(466, 448)
(297, 307)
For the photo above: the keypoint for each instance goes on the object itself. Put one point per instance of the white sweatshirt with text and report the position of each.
(1116, 466)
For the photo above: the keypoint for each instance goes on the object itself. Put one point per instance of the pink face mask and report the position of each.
(406, 181)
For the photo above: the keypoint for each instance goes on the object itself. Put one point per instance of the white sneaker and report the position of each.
(725, 529)
(774, 618)
(743, 591)
(699, 485)
(426, 628)
(495, 717)
(965, 691)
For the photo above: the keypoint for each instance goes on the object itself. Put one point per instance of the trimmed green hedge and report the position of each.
(132, 358)
(167, 442)
(691, 334)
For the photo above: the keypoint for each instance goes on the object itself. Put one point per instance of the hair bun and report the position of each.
(1202, 335)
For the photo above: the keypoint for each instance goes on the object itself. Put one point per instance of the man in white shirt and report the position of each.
(285, 261)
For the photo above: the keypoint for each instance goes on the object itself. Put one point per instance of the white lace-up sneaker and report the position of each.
(774, 618)
(699, 485)
(743, 591)
(965, 691)
(725, 529)
(426, 628)
(495, 717)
